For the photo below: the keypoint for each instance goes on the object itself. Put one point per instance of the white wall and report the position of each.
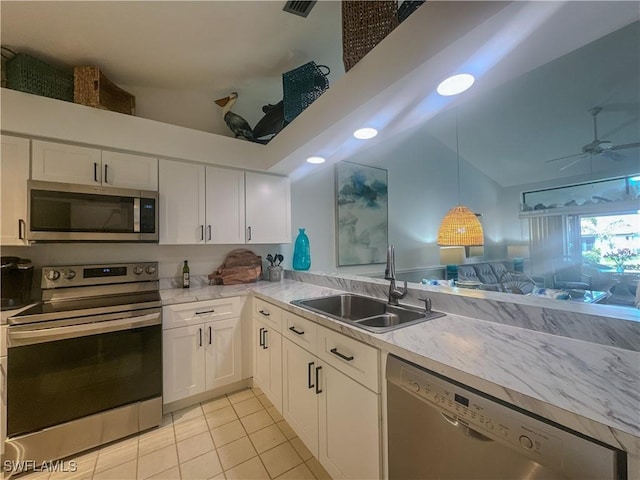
(422, 185)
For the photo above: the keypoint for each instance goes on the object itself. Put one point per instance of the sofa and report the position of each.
(486, 274)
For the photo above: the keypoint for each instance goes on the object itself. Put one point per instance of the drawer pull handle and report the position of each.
(261, 337)
(266, 314)
(200, 335)
(318, 380)
(95, 172)
(309, 368)
(22, 229)
(210, 335)
(341, 355)
(264, 342)
(297, 332)
(205, 312)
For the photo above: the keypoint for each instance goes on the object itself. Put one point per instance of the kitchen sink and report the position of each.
(367, 313)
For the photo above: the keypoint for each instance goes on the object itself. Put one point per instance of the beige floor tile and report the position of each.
(249, 470)
(76, 468)
(257, 391)
(215, 404)
(189, 413)
(189, 428)
(195, 446)
(301, 472)
(301, 448)
(256, 421)
(227, 433)
(158, 461)
(116, 454)
(171, 474)
(280, 459)
(273, 412)
(318, 470)
(39, 475)
(155, 439)
(220, 476)
(264, 401)
(267, 438)
(220, 417)
(166, 420)
(125, 471)
(247, 407)
(287, 430)
(236, 452)
(201, 468)
(240, 395)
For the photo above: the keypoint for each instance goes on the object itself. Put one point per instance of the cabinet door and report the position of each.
(299, 397)
(349, 427)
(261, 358)
(14, 173)
(182, 196)
(3, 402)
(225, 205)
(268, 208)
(267, 372)
(58, 162)
(183, 362)
(125, 170)
(223, 364)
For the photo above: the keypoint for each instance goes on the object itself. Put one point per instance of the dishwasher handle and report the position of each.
(468, 431)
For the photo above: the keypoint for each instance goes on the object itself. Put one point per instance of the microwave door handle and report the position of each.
(30, 337)
(136, 214)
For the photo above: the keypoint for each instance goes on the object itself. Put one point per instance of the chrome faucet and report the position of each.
(390, 274)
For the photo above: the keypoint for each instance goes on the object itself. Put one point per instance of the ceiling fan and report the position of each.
(603, 148)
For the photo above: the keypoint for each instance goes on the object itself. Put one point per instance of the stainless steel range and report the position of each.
(84, 366)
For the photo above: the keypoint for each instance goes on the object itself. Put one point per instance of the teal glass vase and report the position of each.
(301, 252)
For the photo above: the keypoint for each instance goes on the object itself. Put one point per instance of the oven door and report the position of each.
(58, 373)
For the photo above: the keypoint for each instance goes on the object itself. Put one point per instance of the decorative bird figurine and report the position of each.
(238, 125)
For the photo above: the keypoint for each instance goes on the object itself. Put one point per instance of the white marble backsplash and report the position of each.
(606, 325)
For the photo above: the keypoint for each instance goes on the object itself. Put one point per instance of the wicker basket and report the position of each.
(364, 25)
(94, 89)
(32, 75)
(301, 87)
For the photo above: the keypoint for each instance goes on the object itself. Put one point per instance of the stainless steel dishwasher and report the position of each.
(441, 429)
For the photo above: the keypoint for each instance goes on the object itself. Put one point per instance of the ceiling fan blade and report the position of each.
(571, 164)
(563, 158)
(626, 145)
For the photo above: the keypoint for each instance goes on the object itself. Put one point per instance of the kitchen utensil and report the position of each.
(270, 259)
(279, 259)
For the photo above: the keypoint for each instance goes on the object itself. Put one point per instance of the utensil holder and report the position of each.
(275, 273)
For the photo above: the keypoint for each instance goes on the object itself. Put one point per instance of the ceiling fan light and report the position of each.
(460, 227)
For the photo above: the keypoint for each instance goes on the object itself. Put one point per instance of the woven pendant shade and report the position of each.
(460, 227)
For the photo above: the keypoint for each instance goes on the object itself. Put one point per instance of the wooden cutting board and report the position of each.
(239, 266)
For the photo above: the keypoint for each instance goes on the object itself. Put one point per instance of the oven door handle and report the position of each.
(30, 337)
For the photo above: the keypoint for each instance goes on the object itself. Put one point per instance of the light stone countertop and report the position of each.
(591, 388)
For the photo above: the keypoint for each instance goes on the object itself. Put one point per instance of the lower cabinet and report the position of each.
(3, 403)
(205, 351)
(267, 372)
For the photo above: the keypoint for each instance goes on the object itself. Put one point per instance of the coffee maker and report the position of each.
(17, 276)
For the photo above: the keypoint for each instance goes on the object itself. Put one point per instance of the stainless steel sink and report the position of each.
(365, 312)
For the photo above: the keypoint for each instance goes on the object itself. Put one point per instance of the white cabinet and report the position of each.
(268, 208)
(202, 347)
(14, 173)
(60, 162)
(267, 358)
(200, 204)
(331, 397)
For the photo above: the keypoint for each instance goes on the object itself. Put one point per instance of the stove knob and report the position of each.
(138, 269)
(53, 275)
(151, 269)
(69, 274)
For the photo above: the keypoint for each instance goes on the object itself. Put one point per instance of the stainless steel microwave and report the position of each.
(61, 212)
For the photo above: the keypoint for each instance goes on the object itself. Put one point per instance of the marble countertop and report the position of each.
(591, 388)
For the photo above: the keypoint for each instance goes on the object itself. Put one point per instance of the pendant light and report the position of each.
(460, 226)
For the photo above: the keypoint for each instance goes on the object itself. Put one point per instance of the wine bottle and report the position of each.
(185, 275)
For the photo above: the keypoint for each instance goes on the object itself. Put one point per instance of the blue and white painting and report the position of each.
(361, 214)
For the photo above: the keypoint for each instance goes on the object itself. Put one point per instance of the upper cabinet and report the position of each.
(206, 205)
(14, 173)
(268, 208)
(59, 162)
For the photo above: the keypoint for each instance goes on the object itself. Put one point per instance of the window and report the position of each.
(604, 234)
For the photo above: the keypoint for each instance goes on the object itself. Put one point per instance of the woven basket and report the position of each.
(30, 74)
(301, 87)
(94, 89)
(364, 25)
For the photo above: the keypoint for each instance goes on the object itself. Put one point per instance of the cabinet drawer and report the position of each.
(300, 331)
(351, 357)
(190, 313)
(267, 313)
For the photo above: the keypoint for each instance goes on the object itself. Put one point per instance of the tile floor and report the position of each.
(237, 436)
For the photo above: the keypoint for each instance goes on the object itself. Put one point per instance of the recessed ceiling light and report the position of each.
(315, 160)
(455, 84)
(365, 133)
